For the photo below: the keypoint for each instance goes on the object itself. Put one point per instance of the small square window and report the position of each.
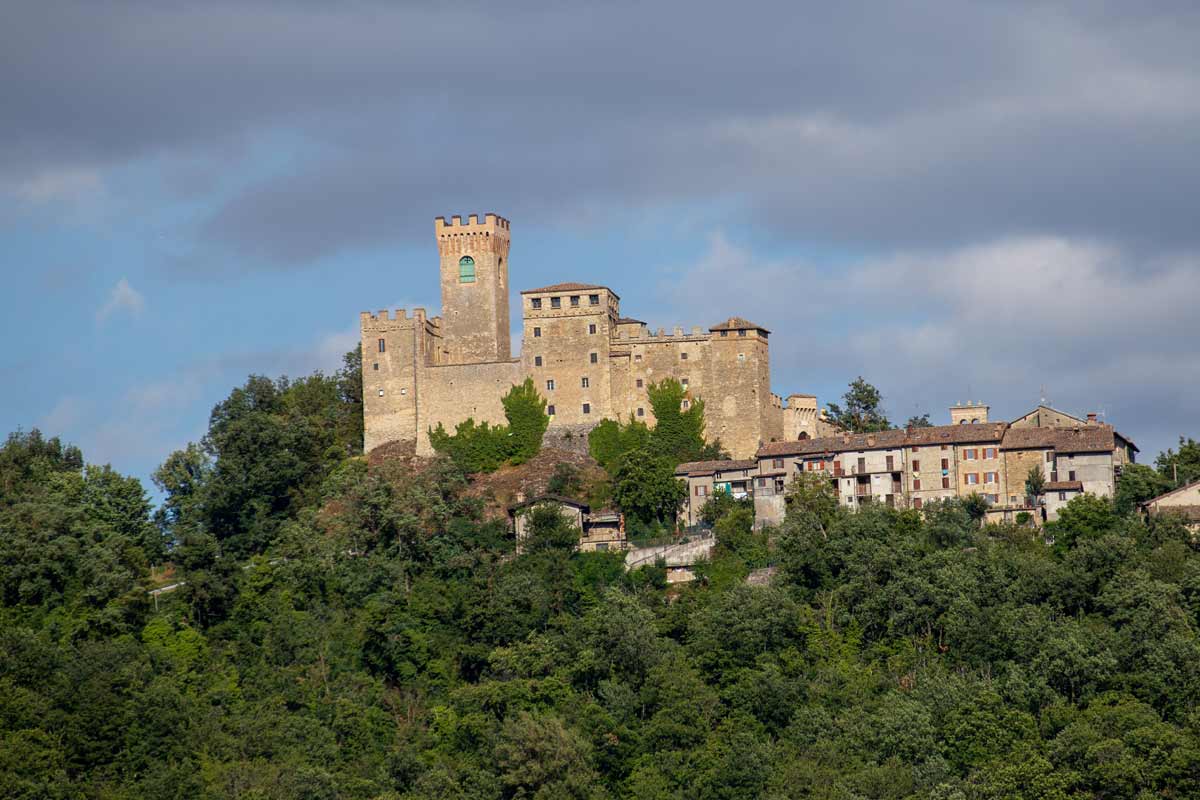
(724, 334)
(381, 392)
(550, 385)
(536, 303)
(376, 367)
(556, 302)
(683, 356)
(404, 391)
(641, 412)
(594, 358)
(537, 333)
(594, 299)
(686, 404)
(741, 333)
(741, 356)
(550, 411)
(583, 382)
(684, 381)
(587, 408)
(574, 301)
(592, 328)
(537, 361)
(640, 383)
(637, 357)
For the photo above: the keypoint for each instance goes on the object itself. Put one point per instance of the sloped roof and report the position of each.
(1187, 487)
(1080, 439)
(977, 433)
(970, 433)
(883, 440)
(567, 287)
(709, 467)
(738, 324)
(549, 498)
(630, 321)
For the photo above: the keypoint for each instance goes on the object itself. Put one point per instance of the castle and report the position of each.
(588, 361)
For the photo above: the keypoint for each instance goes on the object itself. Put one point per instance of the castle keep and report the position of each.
(588, 361)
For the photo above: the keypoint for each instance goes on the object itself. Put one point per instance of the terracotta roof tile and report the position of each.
(980, 433)
(1064, 486)
(738, 324)
(1081, 439)
(567, 287)
(709, 467)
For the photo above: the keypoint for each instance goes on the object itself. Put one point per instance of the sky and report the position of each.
(988, 201)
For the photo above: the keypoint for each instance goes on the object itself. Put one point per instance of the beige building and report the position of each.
(1183, 502)
(588, 361)
(598, 531)
(705, 478)
(912, 467)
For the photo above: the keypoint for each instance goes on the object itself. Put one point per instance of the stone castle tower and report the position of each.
(588, 361)
(474, 262)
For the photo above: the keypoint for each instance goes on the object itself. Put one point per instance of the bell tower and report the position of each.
(474, 265)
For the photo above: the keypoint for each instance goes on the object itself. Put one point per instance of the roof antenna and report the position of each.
(1043, 394)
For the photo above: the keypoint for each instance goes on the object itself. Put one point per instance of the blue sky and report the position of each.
(955, 200)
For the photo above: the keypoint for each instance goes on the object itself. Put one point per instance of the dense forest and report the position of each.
(345, 631)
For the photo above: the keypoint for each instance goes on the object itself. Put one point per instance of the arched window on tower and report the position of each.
(466, 270)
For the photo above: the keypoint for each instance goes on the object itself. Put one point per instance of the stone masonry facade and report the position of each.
(588, 361)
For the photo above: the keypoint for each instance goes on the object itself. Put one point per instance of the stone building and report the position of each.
(1183, 502)
(588, 361)
(912, 467)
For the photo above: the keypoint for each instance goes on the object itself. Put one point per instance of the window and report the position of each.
(466, 270)
(683, 356)
(637, 357)
(1071, 475)
(550, 385)
(574, 301)
(699, 491)
(989, 452)
(972, 478)
(1062, 496)
(383, 345)
(685, 405)
(990, 477)
(583, 382)
(862, 465)
(915, 448)
(946, 483)
(587, 408)
(537, 333)
(1049, 457)
(777, 463)
(556, 302)
(683, 382)
(404, 391)
(916, 465)
(377, 366)
(601, 547)
(762, 483)
(916, 484)
(917, 503)
(741, 333)
(537, 361)
(891, 464)
(594, 299)
(550, 411)
(592, 328)
(641, 412)
(945, 463)
(779, 487)
(594, 358)
(724, 334)
(381, 392)
(640, 383)
(969, 455)
(741, 356)
(536, 303)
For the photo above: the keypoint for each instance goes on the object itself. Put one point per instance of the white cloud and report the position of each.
(1088, 320)
(123, 297)
(57, 185)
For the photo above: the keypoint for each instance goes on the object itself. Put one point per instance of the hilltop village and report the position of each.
(591, 363)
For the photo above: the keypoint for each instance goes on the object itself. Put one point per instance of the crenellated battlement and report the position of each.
(472, 237)
(388, 321)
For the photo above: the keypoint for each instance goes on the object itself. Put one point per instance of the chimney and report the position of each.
(1091, 418)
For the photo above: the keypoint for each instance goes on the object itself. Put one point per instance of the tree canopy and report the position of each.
(862, 412)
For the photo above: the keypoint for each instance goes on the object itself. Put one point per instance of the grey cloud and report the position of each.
(902, 124)
(998, 320)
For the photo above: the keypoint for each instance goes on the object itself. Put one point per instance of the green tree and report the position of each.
(1183, 466)
(862, 412)
(1035, 483)
(678, 433)
(483, 448)
(525, 411)
(645, 487)
(918, 422)
(609, 441)
(1137, 484)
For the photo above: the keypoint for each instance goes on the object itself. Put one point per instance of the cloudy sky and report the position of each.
(955, 200)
